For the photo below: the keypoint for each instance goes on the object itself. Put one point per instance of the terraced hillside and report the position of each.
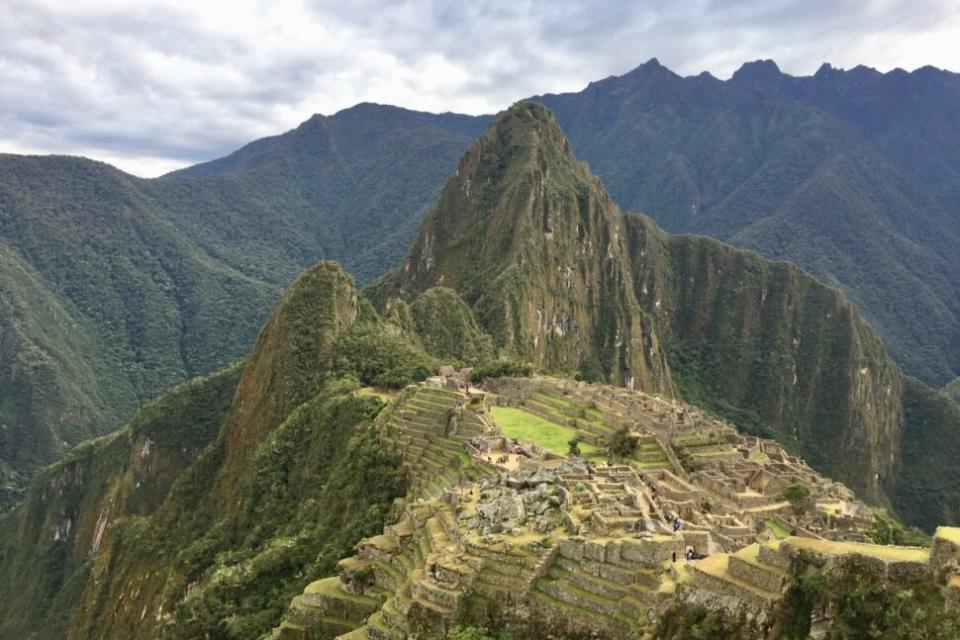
(529, 239)
(541, 545)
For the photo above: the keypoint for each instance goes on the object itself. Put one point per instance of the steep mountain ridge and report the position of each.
(137, 535)
(239, 474)
(533, 243)
(159, 280)
(118, 288)
(527, 236)
(910, 117)
(781, 354)
(791, 179)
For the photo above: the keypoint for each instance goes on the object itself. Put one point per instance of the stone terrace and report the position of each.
(583, 539)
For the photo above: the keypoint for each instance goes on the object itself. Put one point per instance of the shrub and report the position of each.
(622, 442)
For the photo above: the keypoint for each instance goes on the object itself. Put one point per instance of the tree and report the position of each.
(574, 444)
(462, 632)
(798, 495)
(622, 442)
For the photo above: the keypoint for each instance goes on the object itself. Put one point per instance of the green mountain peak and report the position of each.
(531, 240)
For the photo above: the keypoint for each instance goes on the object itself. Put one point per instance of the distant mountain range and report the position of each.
(116, 288)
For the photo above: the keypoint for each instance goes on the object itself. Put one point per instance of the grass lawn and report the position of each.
(526, 427)
(655, 464)
(331, 587)
(778, 529)
(384, 394)
(888, 553)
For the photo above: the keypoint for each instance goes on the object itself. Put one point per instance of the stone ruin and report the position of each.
(695, 514)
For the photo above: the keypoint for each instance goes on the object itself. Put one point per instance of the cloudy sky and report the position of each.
(154, 85)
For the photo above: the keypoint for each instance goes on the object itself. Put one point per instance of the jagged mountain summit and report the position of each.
(849, 174)
(559, 277)
(219, 504)
(535, 246)
(845, 173)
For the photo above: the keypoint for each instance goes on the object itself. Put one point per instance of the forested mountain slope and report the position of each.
(224, 498)
(771, 165)
(139, 284)
(117, 288)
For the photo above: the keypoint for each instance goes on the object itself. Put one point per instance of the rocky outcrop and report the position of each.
(534, 244)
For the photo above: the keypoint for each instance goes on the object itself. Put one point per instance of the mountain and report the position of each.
(120, 288)
(117, 288)
(785, 167)
(212, 510)
(910, 117)
(533, 244)
(561, 278)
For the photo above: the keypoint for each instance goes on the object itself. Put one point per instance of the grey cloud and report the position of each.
(156, 83)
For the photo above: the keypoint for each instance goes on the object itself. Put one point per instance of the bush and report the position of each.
(798, 495)
(375, 356)
(622, 442)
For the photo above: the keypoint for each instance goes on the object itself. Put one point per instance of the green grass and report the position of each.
(656, 464)
(526, 427)
(778, 529)
(882, 552)
(330, 587)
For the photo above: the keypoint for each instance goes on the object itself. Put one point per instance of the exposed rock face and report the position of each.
(58, 537)
(532, 241)
(767, 338)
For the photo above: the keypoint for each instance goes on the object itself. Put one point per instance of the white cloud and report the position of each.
(167, 83)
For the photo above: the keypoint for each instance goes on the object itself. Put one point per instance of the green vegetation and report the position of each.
(926, 476)
(778, 529)
(461, 632)
(858, 606)
(376, 356)
(447, 328)
(779, 163)
(527, 427)
(573, 445)
(129, 473)
(221, 506)
(694, 622)
(622, 442)
(863, 607)
(114, 289)
(231, 494)
(889, 530)
(798, 495)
